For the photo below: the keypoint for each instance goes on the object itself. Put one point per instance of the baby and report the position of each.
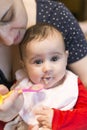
(44, 61)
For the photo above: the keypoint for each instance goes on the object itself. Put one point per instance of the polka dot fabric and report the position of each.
(57, 14)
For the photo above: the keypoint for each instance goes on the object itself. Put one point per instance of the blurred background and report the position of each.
(77, 7)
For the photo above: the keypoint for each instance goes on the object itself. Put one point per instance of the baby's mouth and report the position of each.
(47, 80)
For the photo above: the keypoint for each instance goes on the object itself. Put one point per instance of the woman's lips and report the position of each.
(16, 39)
(19, 36)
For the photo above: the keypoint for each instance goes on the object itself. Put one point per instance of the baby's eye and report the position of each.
(54, 58)
(38, 61)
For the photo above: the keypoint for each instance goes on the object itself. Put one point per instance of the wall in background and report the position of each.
(77, 7)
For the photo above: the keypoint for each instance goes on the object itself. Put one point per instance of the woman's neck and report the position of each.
(30, 6)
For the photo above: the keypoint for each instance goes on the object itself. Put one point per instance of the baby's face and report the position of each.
(46, 61)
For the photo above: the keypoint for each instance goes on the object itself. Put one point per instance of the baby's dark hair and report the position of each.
(38, 32)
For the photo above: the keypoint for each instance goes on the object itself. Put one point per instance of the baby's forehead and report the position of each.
(55, 34)
(4, 6)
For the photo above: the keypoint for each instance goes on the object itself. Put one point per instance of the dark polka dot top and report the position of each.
(57, 14)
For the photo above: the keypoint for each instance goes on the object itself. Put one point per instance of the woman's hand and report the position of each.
(11, 105)
(44, 116)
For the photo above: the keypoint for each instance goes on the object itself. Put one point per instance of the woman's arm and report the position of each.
(80, 69)
(83, 26)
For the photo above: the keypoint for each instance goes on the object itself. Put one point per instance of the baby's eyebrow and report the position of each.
(57, 53)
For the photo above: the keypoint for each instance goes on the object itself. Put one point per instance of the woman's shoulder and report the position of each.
(51, 4)
(55, 13)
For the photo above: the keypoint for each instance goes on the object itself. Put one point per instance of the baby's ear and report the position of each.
(67, 54)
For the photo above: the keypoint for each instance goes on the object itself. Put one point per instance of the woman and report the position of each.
(17, 15)
(10, 108)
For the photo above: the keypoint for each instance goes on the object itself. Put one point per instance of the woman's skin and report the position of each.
(83, 26)
(15, 17)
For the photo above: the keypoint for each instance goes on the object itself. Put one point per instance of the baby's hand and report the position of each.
(44, 116)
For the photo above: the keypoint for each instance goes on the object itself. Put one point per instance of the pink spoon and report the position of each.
(34, 88)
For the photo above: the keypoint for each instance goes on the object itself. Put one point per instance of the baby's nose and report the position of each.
(47, 67)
